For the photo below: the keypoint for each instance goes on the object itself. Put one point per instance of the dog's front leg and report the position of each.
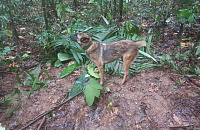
(101, 70)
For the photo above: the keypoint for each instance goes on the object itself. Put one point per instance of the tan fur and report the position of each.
(101, 53)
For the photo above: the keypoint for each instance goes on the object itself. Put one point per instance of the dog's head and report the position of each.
(82, 39)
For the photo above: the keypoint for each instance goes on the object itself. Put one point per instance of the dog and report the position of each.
(102, 53)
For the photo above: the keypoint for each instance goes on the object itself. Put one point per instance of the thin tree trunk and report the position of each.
(75, 3)
(106, 9)
(45, 15)
(114, 12)
(8, 2)
(180, 31)
(53, 7)
(120, 10)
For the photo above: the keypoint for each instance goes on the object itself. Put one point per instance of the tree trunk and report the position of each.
(53, 7)
(8, 2)
(45, 14)
(75, 3)
(114, 10)
(120, 10)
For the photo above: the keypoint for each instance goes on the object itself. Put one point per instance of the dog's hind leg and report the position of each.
(128, 59)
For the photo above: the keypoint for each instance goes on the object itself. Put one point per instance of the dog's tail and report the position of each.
(140, 43)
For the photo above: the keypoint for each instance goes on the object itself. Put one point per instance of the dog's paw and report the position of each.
(122, 82)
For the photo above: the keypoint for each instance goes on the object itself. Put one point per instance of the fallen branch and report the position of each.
(42, 122)
(52, 109)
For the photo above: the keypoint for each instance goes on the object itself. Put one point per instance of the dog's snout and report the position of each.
(70, 36)
(73, 38)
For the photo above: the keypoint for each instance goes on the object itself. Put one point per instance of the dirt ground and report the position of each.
(151, 100)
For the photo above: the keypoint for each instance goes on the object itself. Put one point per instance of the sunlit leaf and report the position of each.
(64, 56)
(91, 71)
(68, 70)
(147, 55)
(57, 63)
(168, 20)
(92, 90)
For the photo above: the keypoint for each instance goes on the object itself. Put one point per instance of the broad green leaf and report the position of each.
(91, 71)
(191, 19)
(91, 91)
(33, 76)
(64, 56)
(68, 70)
(57, 63)
(78, 86)
(175, 11)
(185, 13)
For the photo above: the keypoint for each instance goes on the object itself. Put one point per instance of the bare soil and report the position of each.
(151, 100)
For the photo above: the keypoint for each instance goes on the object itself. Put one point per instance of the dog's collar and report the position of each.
(86, 47)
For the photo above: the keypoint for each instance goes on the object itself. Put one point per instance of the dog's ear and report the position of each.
(84, 40)
(90, 35)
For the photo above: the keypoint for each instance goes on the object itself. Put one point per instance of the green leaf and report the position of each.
(91, 71)
(57, 63)
(68, 70)
(105, 20)
(78, 86)
(75, 55)
(25, 55)
(6, 51)
(191, 19)
(173, 86)
(48, 63)
(64, 56)
(147, 55)
(148, 44)
(134, 37)
(185, 13)
(168, 20)
(91, 91)
(33, 76)
(13, 101)
(9, 33)
(175, 11)
(198, 50)
(197, 71)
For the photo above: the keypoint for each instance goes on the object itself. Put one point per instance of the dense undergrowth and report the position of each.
(51, 24)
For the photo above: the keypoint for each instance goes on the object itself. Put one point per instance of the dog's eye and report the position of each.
(84, 40)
